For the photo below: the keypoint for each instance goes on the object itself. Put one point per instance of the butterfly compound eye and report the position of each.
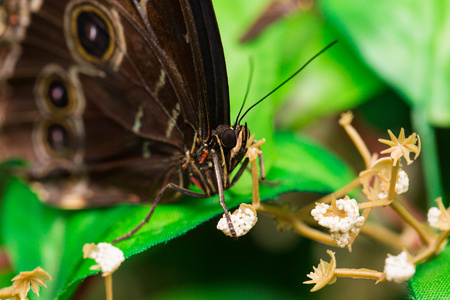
(229, 138)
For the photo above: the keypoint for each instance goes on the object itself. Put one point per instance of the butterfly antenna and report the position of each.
(249, 83)
(289, 78)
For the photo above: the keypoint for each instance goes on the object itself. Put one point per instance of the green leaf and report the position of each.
(432, 279)
(406, 43)
(6, 168)
(37, 235)
(53, 239)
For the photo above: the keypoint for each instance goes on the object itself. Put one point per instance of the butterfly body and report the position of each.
(111, 101)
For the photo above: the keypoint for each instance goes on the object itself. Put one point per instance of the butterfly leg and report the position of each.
(262, 178)
(221, 196)
(187, 193)
(262, 168)
(155, 203)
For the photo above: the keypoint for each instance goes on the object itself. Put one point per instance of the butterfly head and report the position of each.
(229, 146)
(232, 141)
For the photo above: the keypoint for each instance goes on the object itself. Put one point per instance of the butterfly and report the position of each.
(117, 101)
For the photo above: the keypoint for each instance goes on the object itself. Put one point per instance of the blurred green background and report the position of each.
(391, 67)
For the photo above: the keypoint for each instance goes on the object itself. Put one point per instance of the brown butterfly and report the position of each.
(114, 101)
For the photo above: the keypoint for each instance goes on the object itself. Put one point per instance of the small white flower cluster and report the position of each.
(398, 268)
(105, 255)
(343, 224)
(433, 216)
(401, 186)
(439, 217)
(243, 219)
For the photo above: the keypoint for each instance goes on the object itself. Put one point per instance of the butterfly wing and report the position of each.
(105, 97)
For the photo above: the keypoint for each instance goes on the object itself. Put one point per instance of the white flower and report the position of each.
(439, 217)
(399, 268)
(105, 255)
(433, 216)
(341, 239)
(401, 186)
(243, 219)
(342, 219)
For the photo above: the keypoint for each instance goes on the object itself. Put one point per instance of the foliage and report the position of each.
(385, 48)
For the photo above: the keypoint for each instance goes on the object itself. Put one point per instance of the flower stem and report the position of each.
(311, 233)
(358, 141)
(424, 231)
(383, 235)
(432, 248)
(255, 181)
(327, 198)
(426, 234)
(372, 204)
(393, 181)
(296, 223)
(6, 293)
(360, 273)
(109, 287)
